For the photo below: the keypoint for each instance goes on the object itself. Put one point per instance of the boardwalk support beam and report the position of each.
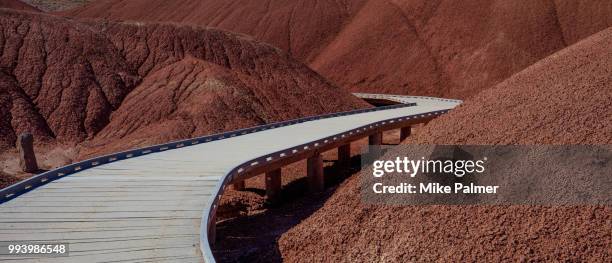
(273, 185)
(314, 169)
(375, 142)
(344, 156)
(375, 139)
(405, 133)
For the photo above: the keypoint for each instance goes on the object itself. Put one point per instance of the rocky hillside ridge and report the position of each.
(418, 47)
(61, 80)
(69, 82)
(18, 5)
(56, 5)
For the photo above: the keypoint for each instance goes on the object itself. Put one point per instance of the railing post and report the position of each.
(405, 133)
(314, 169)
(344, 156)
(273, 185)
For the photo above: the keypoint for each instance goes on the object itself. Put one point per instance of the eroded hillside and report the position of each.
(18, 5)
(135, 84)
(420, 47)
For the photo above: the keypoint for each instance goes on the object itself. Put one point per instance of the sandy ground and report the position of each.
(48, 158)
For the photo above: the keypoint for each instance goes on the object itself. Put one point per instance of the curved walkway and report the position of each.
(158, 204)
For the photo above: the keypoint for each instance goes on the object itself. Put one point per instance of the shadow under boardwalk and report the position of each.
(254, 238)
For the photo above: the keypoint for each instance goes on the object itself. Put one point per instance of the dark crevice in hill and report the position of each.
(558, 23)
(438, 68)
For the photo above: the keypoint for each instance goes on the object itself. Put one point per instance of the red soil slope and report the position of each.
(563, 99)
(207, 81)
(60, 80)
(64, 79)
(56, 5)
(447, 48)
(6, 180)
(18, 5)
(300, 27)
(444, 47)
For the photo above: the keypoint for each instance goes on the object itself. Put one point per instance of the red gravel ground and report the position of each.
(563, 99)
(6, 180)
(419, 47)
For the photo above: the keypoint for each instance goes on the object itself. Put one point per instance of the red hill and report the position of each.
(136, 84)
(205, 81)
(563, 99)
(301, 27)
(61, 80)
(443, 48)
(18, 5)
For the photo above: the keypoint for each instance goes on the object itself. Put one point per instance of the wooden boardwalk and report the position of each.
(160, 207)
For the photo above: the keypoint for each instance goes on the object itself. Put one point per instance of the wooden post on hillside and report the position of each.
(27, 158)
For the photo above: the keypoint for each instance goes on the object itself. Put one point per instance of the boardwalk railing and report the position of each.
(27, 185)
(246, 169)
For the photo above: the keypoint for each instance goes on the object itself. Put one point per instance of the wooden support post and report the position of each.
(27, 158)
(344, 156)
(239, 186)
(314, 169)
(405, 133)
(375, 139)
(273, 185)
(375, 142)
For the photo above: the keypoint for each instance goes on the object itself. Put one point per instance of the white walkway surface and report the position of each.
(152, 208)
